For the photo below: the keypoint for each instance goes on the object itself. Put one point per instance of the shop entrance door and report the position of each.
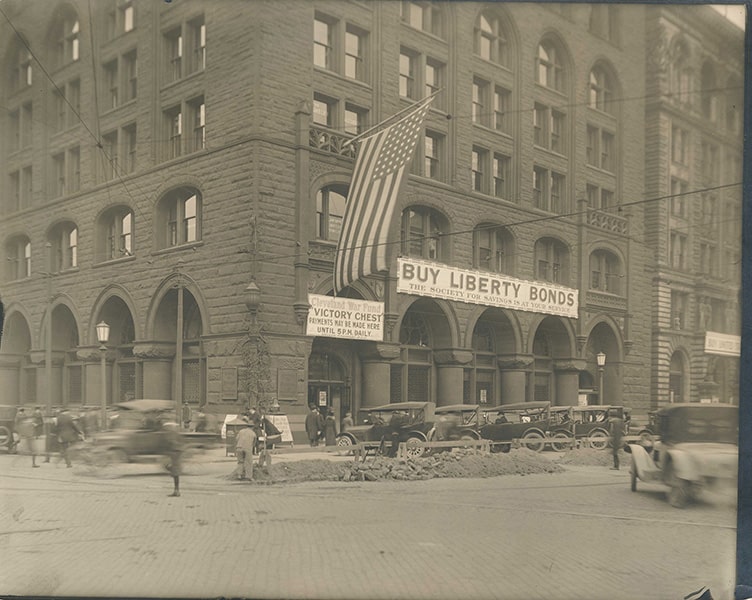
(326, 396)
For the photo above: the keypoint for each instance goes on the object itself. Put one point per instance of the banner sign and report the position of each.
(723, 344)
(345, 318)
(424, 278)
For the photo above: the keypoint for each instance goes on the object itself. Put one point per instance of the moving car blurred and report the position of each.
(391, 424)
(697, 450)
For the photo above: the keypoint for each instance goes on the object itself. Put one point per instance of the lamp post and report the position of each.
(103, 334)
(601, 360)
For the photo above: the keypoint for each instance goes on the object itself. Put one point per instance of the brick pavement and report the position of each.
(581, 534)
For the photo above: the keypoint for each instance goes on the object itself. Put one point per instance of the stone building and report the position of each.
(179, 171)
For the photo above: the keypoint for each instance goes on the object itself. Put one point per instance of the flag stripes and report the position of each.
(380, 166)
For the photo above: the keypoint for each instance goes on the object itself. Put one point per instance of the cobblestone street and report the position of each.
(580, 534)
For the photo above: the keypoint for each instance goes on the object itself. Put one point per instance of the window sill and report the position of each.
(114, 261)
(329, 73)
(178, 248)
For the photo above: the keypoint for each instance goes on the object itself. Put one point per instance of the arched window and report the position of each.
(676, 391)
(330, 210)
(63, 239)
(549, 69)
(115, 233)
(490, 39)
(421, 234)
(493, 248)
(709, 95)
(18, 258)
(66, 35)
(605, 272)
(551, 261)
(479, 385)
(600, 90)
(20, 67)
(179, 218)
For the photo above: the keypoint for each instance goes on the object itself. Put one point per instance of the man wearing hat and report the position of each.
(244, 444)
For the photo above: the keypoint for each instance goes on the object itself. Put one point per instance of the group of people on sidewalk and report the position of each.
(64, 427)
(321, 424)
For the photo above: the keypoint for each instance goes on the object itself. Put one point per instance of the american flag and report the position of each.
(381, 162)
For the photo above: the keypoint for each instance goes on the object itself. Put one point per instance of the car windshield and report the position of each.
(702, 425)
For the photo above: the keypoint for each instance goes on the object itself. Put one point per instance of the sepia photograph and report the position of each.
(373, 300)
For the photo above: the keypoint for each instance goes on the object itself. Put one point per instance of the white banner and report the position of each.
(345, 318)
(723, 344)
(424, 278)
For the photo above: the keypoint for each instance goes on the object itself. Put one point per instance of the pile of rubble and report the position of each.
(457, 463)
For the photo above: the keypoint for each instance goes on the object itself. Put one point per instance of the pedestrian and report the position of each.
(187, 415)
(244, 445)
(68, 432)
(617, 431)
(347, 422)
(173, 450)
(24, 425)
(314, 423)
(330, 428)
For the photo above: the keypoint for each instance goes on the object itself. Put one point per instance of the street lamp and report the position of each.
(601, 360)
(103, 334)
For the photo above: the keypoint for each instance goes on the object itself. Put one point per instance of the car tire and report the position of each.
(601, 439)
(344, 441)
(6, 437)
(534, 441)
(411, 449)
(564, 444)
(678, 493)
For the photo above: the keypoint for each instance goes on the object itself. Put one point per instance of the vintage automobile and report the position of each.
(585, 423)
(526, 421)
(136, 433)
(7, 427)
(407, 422)
(697, 450)
(457, 422)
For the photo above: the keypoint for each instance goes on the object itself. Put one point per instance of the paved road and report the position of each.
(581, 534)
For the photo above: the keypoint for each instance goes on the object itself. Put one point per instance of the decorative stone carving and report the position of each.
(571, 364)
(378, 351)
(38, 357)
(452, 356)
(94, 354)
(329, 141)
(515, 362)
(301, 312)
(658, 50)
(154, 349)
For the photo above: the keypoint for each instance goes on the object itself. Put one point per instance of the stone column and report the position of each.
(376, 358)
(58, 358)
(567, 380)
(10, 380)
(514, 369)
(92, 357)
(157, 368)
(450, 374)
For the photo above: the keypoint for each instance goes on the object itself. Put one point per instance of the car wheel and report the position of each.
(564, 444)
(6, 438)
(632, 479)
(599, 439)
(678, 493)
(344, 441)
(412, 449)
(534, 441)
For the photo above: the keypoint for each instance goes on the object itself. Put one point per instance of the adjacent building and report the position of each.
(179, 171)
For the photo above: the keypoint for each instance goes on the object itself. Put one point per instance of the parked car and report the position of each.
(457, 422)
(401, 421)
(136, 433)
(585, 422)
(697, 449)
(528, 421)
(7, 427)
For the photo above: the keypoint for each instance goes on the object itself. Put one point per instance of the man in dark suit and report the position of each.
(68, 432)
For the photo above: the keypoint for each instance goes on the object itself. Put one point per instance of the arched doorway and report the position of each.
(127, 373)
(327, 382)
(602, 384)
(492, 336)
(67, 368)
(18, 376)
(551, 348)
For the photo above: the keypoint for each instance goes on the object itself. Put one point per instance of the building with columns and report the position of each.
(179, 171)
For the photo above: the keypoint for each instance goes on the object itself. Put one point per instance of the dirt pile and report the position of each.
(458, 463)
(587, 457)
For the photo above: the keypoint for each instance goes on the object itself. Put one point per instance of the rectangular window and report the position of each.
(593, 196)
(679, 140)
(501, 109)
(111, 83)
(607, 151)
(174, 127)
(678, 250)
(501, 171)
(433, 149)
(189, 220)
(27, 119)
(58, 174)
(557, 202)
(60, 111)
(540, 129)
(129, 158)
(354, 46)
(174, 53)
(14, 122)
(126, 234)
(540, 182)
(74, 102)
(591, 150)
(322, 44)
(172, 225)
(127, 11)
(479, 169)
(557, 131)
(434, 81)
(678, 310)
(197, 109)
(27, 187)
(15, 191)
(324, 110)
(355, 119)
(110, 148)
(130, 70)
(198, 41)
(679, 189)
(480, 89)
(407, 84)
(74, 169)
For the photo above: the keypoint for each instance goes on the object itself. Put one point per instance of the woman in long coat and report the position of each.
(330, 428)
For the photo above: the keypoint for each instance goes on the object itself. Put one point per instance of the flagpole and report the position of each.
(394, 116)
